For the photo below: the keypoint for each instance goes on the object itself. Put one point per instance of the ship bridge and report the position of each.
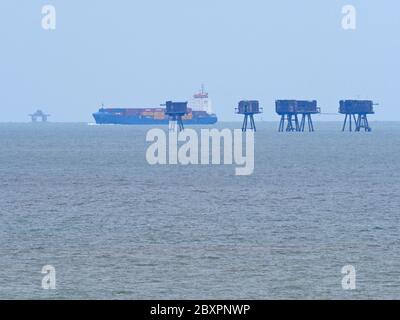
(201, 102)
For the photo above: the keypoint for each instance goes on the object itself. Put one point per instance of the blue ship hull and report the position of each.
(108, 118)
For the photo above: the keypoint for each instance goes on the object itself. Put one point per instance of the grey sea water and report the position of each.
(83, 199)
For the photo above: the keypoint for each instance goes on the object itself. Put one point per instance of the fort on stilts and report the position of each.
(39, 115)
(249, 108)
(356, 114)
(291, 110)
(175, 111)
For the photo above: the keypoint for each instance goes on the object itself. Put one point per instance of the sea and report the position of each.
(84, 200)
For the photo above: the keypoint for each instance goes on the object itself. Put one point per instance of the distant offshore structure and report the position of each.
(39, 115)
(357, 110)
(290, 110)
(176, 111)
(249, 108)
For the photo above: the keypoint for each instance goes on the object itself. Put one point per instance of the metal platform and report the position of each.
(39, 114)
(249, 108)
(175, 111)
(356, 111)
(290, 110)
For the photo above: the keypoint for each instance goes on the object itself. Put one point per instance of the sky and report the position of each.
(132, 53)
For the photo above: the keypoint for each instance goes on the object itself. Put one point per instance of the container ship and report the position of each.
(199, 113)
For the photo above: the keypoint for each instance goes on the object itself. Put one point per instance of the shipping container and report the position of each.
(133, 112)
(159, 115)
(116, 111)
(188, 116)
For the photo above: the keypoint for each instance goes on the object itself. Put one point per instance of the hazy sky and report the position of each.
(142, 53)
